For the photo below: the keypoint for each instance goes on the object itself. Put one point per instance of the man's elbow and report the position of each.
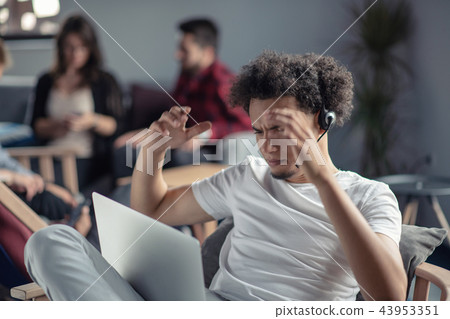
(392, 290)
(136, 203)
(397, 291)
(401, 291)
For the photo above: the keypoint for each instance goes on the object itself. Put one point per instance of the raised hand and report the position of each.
(172, 123)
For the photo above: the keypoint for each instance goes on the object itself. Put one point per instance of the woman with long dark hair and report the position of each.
(76, 103)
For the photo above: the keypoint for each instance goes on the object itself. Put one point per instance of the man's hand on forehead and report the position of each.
(299, 127)
(293, 124)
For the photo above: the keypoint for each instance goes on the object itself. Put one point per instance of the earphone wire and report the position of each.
(322, 135)
(316, 142)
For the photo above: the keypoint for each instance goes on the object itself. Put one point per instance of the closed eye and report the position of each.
(256, 131)
(274, 128)
(277, 128)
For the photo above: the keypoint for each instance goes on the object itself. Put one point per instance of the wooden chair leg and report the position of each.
(410, 212)
(46, 168)
(421, 289)
(440, 215)
(198, 232)
(202, 231)
(210, 227)
(69, 170)
(426, 274)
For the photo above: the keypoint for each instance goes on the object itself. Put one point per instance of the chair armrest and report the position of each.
(45, 155)
(427, 273)
(29, 292)
(36, 151)
(21, 210)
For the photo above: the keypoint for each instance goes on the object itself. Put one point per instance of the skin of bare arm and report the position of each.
(150, 194)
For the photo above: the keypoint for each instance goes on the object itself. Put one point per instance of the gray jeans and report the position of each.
(68, 267)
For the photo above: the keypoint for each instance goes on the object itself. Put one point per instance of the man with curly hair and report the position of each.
(303, 230)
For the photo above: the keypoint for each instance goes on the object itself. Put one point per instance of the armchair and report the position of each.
(45, 156)
(18, 218)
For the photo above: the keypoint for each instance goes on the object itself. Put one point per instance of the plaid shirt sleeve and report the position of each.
(207, 95)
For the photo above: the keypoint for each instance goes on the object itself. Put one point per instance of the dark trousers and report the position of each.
(48, 205)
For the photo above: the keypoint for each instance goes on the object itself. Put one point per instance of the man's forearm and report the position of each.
(147, 190)
(377, 268)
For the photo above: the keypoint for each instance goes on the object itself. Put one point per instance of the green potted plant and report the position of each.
(380, 75)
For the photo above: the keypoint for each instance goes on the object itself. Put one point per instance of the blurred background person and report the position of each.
(50, 201)
(203, 84)
(53, 203)
(78, 104)
(204, 81)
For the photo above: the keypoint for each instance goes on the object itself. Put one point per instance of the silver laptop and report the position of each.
(160, 262)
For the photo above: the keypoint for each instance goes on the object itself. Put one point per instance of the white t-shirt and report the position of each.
(283, 245)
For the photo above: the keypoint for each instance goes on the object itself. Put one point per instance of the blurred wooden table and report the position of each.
(185, 175)
(416, 186)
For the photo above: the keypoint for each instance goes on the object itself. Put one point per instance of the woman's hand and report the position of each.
(81, 123)
(103, 125)
(29, 184)
(48, 128)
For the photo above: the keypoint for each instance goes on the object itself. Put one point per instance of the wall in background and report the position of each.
(147, 30)
(431, 64)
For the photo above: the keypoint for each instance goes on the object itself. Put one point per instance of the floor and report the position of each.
(4, 294)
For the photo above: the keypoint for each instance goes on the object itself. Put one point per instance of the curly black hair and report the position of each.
(320, 80)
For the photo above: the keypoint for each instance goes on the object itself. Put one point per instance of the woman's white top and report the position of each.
(62, 105)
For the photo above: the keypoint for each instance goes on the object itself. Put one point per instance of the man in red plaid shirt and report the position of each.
(204, 82)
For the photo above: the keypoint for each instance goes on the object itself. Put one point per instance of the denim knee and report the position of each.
(41, 243)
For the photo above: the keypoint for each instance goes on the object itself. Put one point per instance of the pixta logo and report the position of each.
(142, 139)
(225, 150)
